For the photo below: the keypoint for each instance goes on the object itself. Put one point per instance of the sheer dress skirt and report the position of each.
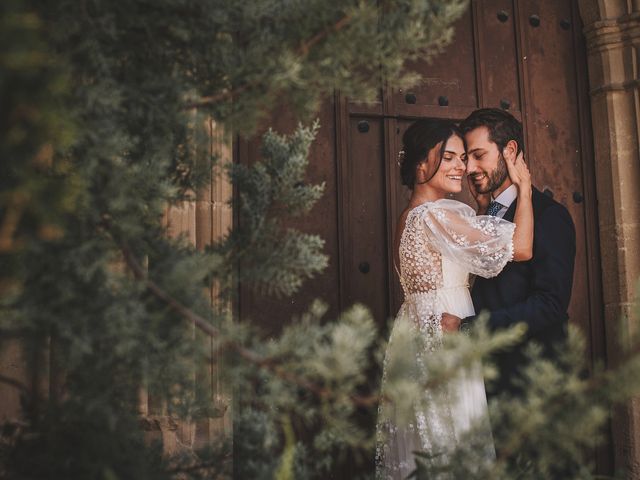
(438, 425)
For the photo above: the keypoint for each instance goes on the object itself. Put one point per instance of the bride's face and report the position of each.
(448, 178)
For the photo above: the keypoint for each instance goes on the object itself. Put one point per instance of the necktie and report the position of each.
(493, 208)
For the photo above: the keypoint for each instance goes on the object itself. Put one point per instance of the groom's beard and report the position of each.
(498, 176)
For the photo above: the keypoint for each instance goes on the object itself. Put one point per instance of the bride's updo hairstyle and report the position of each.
(418, 141)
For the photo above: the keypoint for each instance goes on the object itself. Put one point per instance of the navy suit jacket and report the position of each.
(536, 292)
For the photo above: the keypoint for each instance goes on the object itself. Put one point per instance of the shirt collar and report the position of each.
(507, 197)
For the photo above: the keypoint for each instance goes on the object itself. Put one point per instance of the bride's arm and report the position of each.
(482, 245)
(523, 235)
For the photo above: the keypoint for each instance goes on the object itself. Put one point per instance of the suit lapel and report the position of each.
(511, 212)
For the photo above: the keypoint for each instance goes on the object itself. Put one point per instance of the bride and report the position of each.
(438, 243)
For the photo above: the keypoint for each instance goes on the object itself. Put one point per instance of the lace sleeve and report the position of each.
(480, 243)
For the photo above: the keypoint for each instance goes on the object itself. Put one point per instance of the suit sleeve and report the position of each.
(552, 269)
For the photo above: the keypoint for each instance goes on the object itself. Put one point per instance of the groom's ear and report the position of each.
(510, 150)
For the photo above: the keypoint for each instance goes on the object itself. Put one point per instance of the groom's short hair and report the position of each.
(502, 126)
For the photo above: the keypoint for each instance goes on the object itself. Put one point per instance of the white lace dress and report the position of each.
(442, 243)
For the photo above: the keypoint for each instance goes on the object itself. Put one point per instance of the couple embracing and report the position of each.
(519, 244)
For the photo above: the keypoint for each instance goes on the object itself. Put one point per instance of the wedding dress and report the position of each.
(441, 244)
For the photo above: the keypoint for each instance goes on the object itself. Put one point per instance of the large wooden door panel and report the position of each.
(448, 79)
(496, 55)
(364, 229)
(552, 124)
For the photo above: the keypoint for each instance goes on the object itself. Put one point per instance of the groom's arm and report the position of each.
(552, 268)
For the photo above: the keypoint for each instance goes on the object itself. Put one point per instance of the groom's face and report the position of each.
(485, 163)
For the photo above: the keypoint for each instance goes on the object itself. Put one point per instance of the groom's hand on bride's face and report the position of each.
(450, 323)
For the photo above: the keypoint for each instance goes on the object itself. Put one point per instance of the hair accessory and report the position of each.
(400, 157)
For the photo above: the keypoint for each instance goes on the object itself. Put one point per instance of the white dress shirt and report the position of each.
(506, 198)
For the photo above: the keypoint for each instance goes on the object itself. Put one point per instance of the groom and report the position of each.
(536, 292)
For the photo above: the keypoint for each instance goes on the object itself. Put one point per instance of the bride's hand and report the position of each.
(450, 323)
(519, 172)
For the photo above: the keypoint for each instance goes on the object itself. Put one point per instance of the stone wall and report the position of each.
(202, 221)
(612, 31)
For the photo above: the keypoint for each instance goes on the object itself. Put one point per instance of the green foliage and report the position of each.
(99, 133)
(552, 428)
(273, 258)
(33, 84)
(83, 441)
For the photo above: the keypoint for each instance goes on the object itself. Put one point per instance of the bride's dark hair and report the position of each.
(418, 140)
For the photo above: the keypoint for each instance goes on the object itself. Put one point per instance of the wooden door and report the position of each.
(525, 56)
